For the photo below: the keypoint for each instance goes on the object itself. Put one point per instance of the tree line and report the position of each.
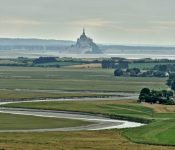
(153, 96)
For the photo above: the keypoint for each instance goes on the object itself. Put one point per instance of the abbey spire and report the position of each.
(84, 32)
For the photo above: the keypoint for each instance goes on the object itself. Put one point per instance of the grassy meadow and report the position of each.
(73, 79)
(125, 108)
(89, 140)
(27, 94)
(160, 131)
(39, 83)
(23, 122)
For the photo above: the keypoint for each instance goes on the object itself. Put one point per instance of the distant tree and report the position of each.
(144, 94)
(145, 91)
(118, 72)
(171, 81)
(162, 97)
(41, 60)
(133, 71)
(173, 85)
(148, 73)
(170, 93)
(160, 74)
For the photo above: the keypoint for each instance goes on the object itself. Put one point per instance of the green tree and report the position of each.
(144, 94)
(173, 85)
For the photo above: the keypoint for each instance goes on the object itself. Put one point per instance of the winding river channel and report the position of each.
(99, 122)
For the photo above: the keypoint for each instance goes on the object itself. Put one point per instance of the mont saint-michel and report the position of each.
(84, 45)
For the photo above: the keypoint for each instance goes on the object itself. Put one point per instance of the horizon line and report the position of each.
(99, 43)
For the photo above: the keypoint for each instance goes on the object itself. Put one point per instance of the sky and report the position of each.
(135, 22)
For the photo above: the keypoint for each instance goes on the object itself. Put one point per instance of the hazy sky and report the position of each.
(106, 21)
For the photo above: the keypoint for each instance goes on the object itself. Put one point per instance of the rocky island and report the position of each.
(84, 45)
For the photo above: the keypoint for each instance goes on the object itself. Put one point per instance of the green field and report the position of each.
(160, 132)
(122, 108)
(104, 107)
(27, 94)
(161, 128)
(60, 63)
(39, 83)
(73, 79)
(20, 122)
(84, 140)
(146, 66)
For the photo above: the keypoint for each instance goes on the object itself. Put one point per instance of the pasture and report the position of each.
(45, 94)
(74, 79)
(23, 122)
(39, 83)
(160, 131)
(89, 140)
